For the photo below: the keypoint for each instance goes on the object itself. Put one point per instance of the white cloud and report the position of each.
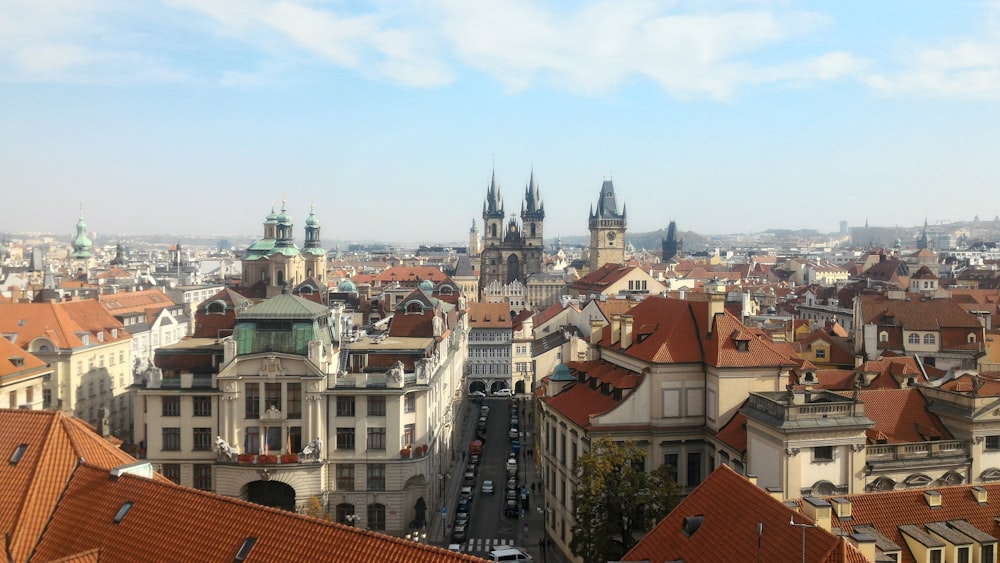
(963, 67)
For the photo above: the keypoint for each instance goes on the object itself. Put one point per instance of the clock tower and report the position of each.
(607, 229)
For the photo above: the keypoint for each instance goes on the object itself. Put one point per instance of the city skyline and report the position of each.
(196, 117)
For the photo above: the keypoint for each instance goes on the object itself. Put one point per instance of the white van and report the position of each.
(510, 554)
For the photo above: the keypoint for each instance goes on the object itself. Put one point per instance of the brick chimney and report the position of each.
(626, 331)
(596, 331)
(616, 328)
(716, 291)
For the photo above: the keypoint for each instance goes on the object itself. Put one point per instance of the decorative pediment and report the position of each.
(917, 480)
(271, 367)
(991, 474)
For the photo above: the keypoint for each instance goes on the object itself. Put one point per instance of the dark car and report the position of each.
(464, 505)
(458, 533)
(511, 510)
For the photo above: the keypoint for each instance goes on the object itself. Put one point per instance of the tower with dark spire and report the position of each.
(511, 251)
(672, 246)
(922, 241)
(607, 229)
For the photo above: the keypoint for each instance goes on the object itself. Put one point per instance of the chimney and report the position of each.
(776, 493)
(933, 499)
(752, 477)
(596, 331)
(716, 301)
(818, 510)
(979, 493)
(616, 328)
(626, 331)
(865, 544)
(842, 507)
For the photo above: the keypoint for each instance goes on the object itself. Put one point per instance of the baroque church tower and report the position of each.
(511, 252)
(277, 262)
(607, 229)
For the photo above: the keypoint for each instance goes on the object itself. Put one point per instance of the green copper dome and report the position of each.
(347, 286)
(426, 285)
(82, 244)
(562, 374)
(272, 217)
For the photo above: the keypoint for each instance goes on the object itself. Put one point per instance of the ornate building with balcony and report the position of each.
(286, 412)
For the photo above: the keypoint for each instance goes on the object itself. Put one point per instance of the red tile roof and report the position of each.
(209, 528)
(10, 372)
(901, 415)
(489, 315)
(579, 402)
(728, 529)
(63, 323)
(59, 501)
(600, 279)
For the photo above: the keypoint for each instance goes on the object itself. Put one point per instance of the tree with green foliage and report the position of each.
(614, 497)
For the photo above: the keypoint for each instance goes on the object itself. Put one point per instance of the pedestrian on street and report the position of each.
(463, 455)
(532, 487)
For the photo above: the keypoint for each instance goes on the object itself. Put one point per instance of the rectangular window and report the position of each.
(823, 453)
(410, 402)
(376, 476)
(376, 405)
(671, 403)
(29, 395)
(171, 439)
(409, 434)
(345, 476)
(251, 440)
(993, 442)
(251, 393)
(172, 471)
(693, 469)
(695, 399)
(963, 555)
(272, 395)
(345, 438)
(12, 399)
(294, 404)
(936, 555)
(294, 439)
(202, 405)
(171, 406)
(202, 439)
(820, 354)
(987, 554)
(272, 440)
(203, 476)
(345, 406)
(376, 438)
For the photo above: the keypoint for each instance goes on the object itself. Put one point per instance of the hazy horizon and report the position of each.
(391, 118)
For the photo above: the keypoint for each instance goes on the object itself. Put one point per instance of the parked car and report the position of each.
(458, 533)
(515, 445)
(477, 394)
(462, 518)
(487, 488)
(510, 555)
(465, 493)
(464, 505)
(511, 484)
(511, 510)
(503, 393)
(513, 433)
(484, 410)
(474, 460)
(469, 477)
(511, 464)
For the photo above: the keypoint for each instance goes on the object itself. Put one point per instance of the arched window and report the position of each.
(216, 308)
(971, 339)
(914, 338)
(929, 339)
(345, 514)
(883, 336)
(376, 516)
(414, 307)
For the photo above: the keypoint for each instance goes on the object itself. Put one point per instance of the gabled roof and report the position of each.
(31, 487)
(901, 415)
(727, 531)
(62, 323)
(578, 402)
(917, 314)
(602, 278)
(156, 529)
(489, 315)
(11, 356)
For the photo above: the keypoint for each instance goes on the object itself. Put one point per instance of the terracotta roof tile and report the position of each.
(728, 533)
(579, 402)
(902, 416)
(155, 530)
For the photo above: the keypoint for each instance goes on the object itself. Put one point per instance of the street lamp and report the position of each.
(791, 522)
(352, 519)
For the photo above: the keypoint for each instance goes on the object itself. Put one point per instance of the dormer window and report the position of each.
(883, 336)
(16, 361)
(414, 307)
(114, 333)
(100, 337)
(742, 344)
(971, 339)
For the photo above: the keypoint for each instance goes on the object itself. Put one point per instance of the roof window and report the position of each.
(691, 524)
(18, 453)
(16, 361)
(122, 512)
(244, 551)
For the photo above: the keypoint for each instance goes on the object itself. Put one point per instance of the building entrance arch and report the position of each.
(519, 387)
(498, 385)
(272, 493)
(477, 386)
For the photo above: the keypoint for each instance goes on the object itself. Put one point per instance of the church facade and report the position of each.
(276, 261)
(511, 251)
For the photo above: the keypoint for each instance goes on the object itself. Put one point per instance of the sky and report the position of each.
(390, 117)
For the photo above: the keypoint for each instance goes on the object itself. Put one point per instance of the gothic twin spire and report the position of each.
(531, 205)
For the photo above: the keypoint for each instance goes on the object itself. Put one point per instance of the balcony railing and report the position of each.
(916, 450)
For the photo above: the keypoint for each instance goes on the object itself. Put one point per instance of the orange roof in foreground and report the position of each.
(578, 402)
(168, 522)
(30, 488)
(59, 502)
(728, 531)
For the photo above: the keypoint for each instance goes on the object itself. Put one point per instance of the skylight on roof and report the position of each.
(18, 453)
(244, 551)
(122, 512)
